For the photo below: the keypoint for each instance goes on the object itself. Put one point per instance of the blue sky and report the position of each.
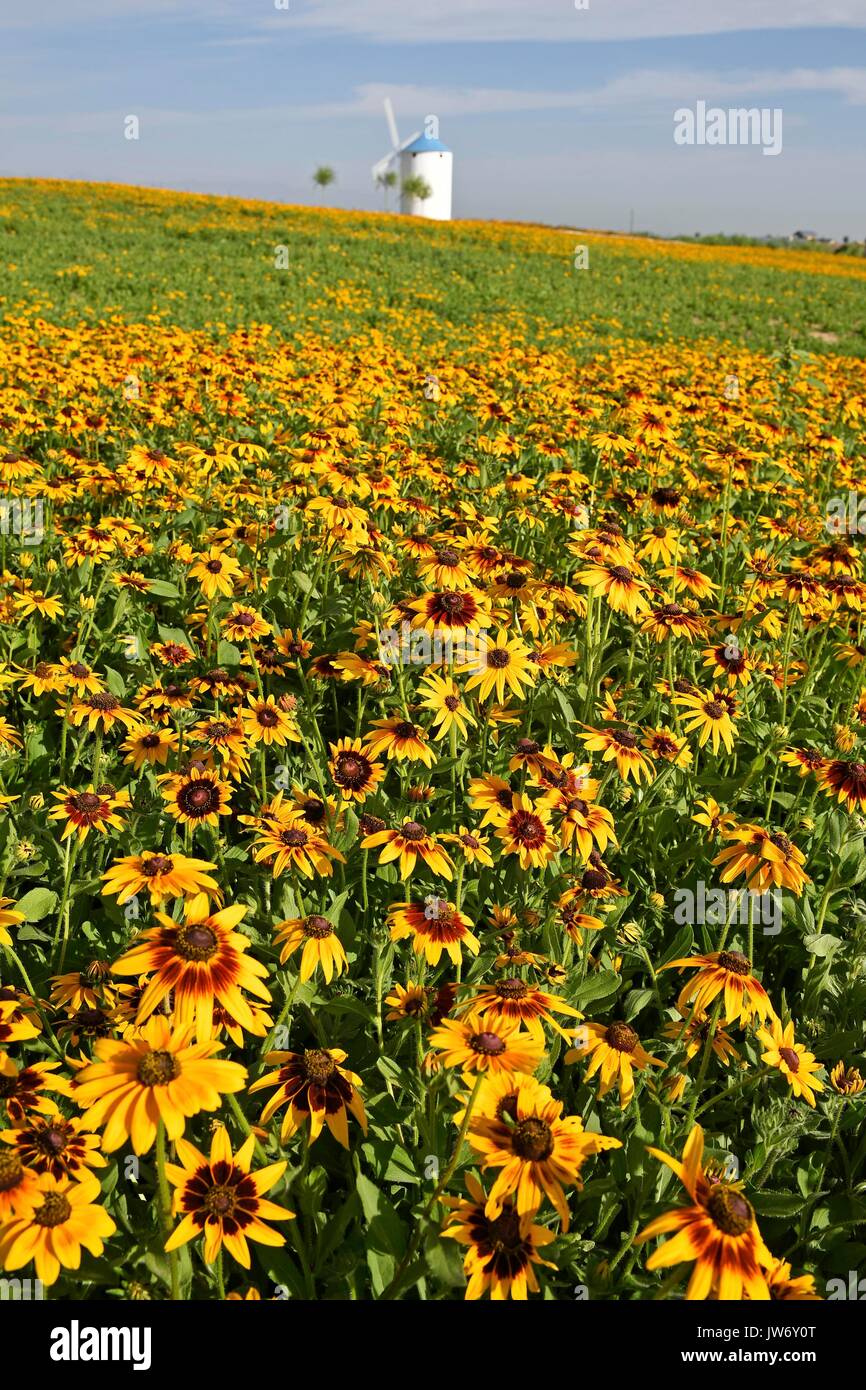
(554, 113)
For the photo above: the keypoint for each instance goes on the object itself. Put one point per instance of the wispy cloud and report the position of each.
(641, 91)
(466, 21)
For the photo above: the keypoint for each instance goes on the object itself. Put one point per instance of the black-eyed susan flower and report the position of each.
(526, 831)
(616, 1053)
(197, 960)
(672, 620)
(316, 938)
(54, 1145)
(443, 697)
(713, 817)
(154, 1075)
(716, 1230)
(198, 797)
(846, 1081)
(24, 1090)
(434, 926)
(399, 738)
(728, 973)
(708, 715)
(518, 1001)
(407, 844)
(472, 845)
(267, 722)
(58, 1219)
(99, 710)
(150, 746)
(503, 1250)
(244, 624)
(619, 584)
(161, 876)
(223, 1200)
(216, 572)
(354, 770)
(292, 843)
(87, 810)
(790, 1058)
(539, 1151)
(844, 779)
(692, 1034)
(476, 1043)
(503, 665)
(315, 1086)
(622, 747)
(785, 1289)
(765, 858)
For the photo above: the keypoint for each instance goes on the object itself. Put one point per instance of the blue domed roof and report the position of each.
(424, 143)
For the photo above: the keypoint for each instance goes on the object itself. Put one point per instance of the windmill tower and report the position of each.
(422, 156)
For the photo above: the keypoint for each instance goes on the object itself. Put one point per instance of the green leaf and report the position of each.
(228, 654)
(596, 987)
(161, 588)
(37, 904)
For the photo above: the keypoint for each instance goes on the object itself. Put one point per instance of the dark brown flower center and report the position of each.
(528, 829)
(489, 1044)
(790, 1057)
(196, 942)
(730, 1211)
(104, 701)
(267, 716)
(735, 962)
(405, 730)
(294, 838)
(86, 802)
(319, 1065)
(498, 658)
(532, 1139)
(504, 1233)
(512, 988)
(351, 770)
(413, 832)
(623, 1038)
(52, 1140)
(157, 864)
(620, 574)
(317, 927)
(198, 798)
(54, 1211)
(220, 1201)
(158, 1068)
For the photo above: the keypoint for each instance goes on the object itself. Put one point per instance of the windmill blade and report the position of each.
(383, 166)
(392, 124)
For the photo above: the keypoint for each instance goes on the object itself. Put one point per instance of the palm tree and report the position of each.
(386, 182)
(324, 175)
(416, 187)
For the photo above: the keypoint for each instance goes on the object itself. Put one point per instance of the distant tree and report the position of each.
(416, 187)
(386, 182)
(324, 176)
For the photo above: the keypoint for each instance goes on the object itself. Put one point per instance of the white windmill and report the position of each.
(424, 158)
